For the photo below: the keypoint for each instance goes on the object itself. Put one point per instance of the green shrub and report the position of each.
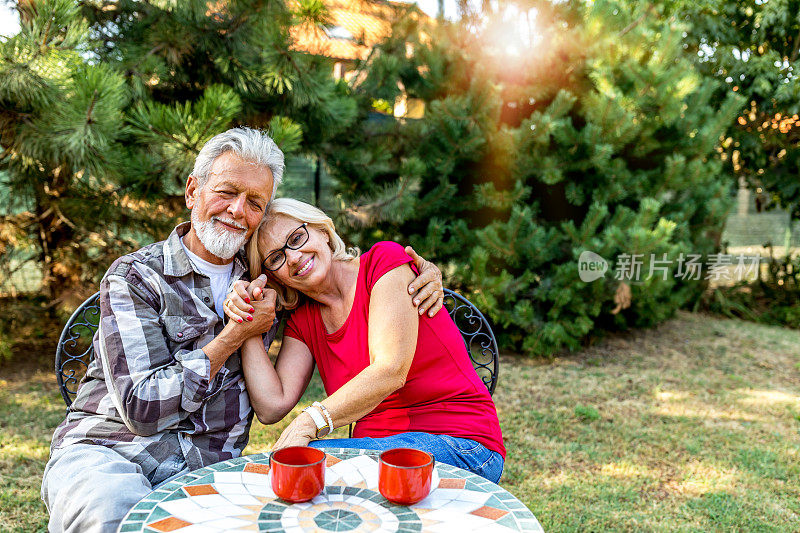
(603, 140)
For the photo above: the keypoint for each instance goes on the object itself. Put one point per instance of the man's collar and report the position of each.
(177, 263)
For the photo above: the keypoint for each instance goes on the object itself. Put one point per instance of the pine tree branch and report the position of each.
(63, 218)
(239, 22)
(155, 49)
(500, 248)
(796, 49)
(20, 220)
(364, 66)
(638, 21)
(435, 199)
(172, 138)
(209, 123)
(382, 203)
(363, 213)
(91, 107)
(285, 53)
(44, 215)
(45, 33)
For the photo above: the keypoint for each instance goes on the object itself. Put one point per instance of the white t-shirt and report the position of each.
(220, 276)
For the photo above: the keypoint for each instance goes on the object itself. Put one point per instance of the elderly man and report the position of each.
(165, 393)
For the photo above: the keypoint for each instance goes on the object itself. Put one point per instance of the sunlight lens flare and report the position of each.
(514, 33)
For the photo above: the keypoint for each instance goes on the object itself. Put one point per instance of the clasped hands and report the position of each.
(250, 307)
(251, 302)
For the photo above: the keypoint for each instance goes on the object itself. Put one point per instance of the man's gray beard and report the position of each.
(221, 243)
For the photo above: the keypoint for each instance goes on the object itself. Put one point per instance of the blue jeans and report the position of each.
(463, 453)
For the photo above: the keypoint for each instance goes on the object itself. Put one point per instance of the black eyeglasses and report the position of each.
(296, 239)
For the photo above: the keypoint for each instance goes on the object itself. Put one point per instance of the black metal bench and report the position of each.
(478, 337)
(75, 349)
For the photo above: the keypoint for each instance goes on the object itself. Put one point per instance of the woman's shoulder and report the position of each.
(386, 249)
(302, 314)
(381, 258)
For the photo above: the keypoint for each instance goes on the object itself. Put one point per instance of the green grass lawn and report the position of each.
(693, 426)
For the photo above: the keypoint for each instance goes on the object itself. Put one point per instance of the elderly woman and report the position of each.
(405, 379)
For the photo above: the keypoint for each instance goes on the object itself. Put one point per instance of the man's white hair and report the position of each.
(247, 143)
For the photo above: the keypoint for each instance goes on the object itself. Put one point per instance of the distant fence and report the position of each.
(758, 229)
(299, 182)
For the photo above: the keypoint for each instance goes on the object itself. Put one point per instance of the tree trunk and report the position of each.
(52, 234)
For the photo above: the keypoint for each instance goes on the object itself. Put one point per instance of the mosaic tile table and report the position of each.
(236, 495)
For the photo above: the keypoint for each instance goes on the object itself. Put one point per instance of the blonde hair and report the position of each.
(289, 298)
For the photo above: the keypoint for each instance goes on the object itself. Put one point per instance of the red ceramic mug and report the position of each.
(298, 473)
(404, 475)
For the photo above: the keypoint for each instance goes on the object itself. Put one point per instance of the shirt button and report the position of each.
(207, 299)
(180, 334)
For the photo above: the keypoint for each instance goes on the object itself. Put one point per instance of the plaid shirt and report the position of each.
(148, 393)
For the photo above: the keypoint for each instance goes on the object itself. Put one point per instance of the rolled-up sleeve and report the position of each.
(153, 387)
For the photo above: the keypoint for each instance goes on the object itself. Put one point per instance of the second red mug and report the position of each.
(298, 473)
(404, 475)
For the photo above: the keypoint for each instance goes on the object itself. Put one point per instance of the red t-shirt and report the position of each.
(442, 393)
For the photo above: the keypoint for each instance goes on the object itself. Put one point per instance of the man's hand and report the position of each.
(239, 303)
(253, 318)
(300, 432)
(427, 288)
(252, 315)
(243, 293)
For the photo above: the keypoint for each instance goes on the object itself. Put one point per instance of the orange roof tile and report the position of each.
(368, 21)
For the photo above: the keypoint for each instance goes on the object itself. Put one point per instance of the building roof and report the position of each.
(355, 27)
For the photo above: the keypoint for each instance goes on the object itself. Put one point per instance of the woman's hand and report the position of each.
(299, 432)
(239, 303)
(427, 288)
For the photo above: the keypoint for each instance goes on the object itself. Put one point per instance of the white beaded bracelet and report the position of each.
(327, 416)
(316, 416)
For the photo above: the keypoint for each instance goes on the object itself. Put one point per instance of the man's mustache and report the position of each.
(229, 222)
